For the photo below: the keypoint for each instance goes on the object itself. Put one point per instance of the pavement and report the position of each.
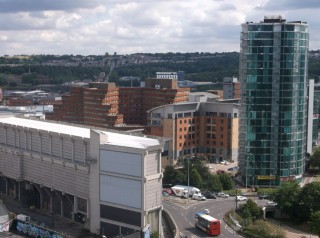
(44, 218)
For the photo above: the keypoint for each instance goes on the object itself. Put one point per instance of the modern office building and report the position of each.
(273, 108)
(231, 88)
(205, 129)
(105, 105)
(316, 113)
(109, 181)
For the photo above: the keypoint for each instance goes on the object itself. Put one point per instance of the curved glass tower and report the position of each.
(273, 108)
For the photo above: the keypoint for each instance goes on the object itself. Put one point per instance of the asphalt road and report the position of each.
(183, 215)
(183, 211)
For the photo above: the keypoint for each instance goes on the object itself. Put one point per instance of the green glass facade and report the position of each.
(273, 108)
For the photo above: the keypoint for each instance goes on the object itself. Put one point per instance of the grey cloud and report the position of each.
(11, 6)
(11, 22)
(226, 7)
(290, 4)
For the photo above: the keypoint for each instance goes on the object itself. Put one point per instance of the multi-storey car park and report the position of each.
(108, 181)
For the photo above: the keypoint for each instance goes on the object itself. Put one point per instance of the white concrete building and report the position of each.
(108, 181)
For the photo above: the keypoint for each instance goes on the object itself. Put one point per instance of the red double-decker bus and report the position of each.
(208, 224)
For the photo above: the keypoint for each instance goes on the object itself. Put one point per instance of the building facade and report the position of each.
(109, 181)
(316, 113)
(105, 105)
(273, 111)
(205, 129)
(231, 88)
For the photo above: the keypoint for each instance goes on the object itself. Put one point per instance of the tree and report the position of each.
(213, 183)
(315, 158)
(172, 176)
(287, 196)
(309, 199)
(250, 210)
(226, 181)
(196, 179)
(315, 222)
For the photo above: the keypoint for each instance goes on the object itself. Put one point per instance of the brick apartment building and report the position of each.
(208, 129)
(105, 105)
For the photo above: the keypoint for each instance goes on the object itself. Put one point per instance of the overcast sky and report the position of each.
(146, 26)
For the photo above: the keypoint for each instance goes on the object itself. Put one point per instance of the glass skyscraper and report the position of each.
(273, 106)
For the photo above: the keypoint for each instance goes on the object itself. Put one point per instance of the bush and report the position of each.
(263, 229)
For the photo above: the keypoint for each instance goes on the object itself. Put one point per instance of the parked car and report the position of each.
(241, 198)
(223, 195)
(271, 203)
(209, 195)
(206, 211)
(165, 194)
(198, 197)
(224, 162)
(233, 168)
(263, 196)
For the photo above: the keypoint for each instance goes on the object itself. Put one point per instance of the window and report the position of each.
(221, 143)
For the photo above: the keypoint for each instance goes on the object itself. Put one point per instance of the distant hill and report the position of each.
(52, 69)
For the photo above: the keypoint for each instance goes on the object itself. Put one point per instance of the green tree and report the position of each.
(196, 179)
(309, 199)
(315, 157)
(250, 211)
(226, 181)
(315, 222)
(213, 183)
(172, 176)
(287, 196)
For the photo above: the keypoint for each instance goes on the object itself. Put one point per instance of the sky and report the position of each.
(96, 27)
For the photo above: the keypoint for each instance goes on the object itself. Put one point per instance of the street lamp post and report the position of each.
(189, 176)
(246, 164)
(188, 179)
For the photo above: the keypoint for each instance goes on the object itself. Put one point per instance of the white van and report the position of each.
(198, 197)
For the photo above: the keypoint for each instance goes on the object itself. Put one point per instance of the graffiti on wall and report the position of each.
(33, 230)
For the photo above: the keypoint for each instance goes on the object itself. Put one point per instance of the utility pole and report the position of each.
(189, 176)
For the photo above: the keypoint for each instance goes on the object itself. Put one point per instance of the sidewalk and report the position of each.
(44, 218)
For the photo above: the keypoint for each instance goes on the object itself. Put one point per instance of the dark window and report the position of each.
(120, 215)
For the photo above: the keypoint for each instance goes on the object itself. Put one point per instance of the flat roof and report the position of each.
(47, 126)
(129, 140)
(117, 139)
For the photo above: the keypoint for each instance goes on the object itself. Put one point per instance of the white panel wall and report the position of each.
(10, 136)
(79, 151)
(56, 144)
(35, 141)
(2, 135)
(153, 194)
(45, 144)
(67, 148)
(22, 139)
(120, 162)
(121, 191)
(152, 161)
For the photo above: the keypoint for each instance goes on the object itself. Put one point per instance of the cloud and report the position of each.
(13, 6)
(129, 26)
(291, 4)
